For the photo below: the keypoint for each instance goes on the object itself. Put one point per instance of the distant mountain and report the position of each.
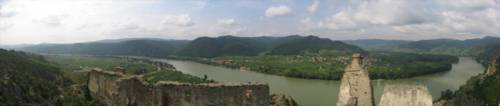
(224, 45)
(250, 46)
(10, 47)
(200, 47)
(376, 44)
(138, 47)
(469, 47)
(297, 45)
(27, 79)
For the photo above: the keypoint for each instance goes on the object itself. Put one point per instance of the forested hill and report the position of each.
(200, 47)
(27, 79)
(469, 47)
(296, 45)
(224, 45)
(138, 47)
(251, 46)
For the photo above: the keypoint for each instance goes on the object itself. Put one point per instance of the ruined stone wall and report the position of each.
(102, 86)
(133, 91)
(405, 95)
(179, 94)
(355, 87)
(115, 89)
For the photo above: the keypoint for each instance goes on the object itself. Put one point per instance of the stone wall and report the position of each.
(116, 89)
(102, 86)
(405, 95)
(355, 87)
(181, 94)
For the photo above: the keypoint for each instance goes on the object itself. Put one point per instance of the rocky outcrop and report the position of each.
(282, 100)
(492, 69)
(355, 87)
(405, 95)
(115, 89)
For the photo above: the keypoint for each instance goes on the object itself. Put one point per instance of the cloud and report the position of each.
(227, 27)
(278, 11)
(306, 24)
(422, 18)
(467, 5)
(382, 12)
(4, 26)
(87, 20)
(313, 7)
(183, 20)
(51, 21)
(227, 22)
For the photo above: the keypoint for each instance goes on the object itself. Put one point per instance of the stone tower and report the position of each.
(355, 87)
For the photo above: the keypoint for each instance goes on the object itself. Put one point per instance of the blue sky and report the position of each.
(69, 21)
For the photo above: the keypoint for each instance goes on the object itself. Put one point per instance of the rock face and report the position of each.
(355, 87)
(115, 89)
(405, 95)
(492, 68)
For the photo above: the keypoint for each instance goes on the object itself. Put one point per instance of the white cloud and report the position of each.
(183, 20)
(51, 21)
(227, 22)
(385, 12)
(306, 25)
(313, 7)
(278, 11)
(467, 5)
(226, 27)
(422, 18)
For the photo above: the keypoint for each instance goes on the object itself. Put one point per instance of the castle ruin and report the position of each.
(116, 89)
(405, 95)
(355, 87)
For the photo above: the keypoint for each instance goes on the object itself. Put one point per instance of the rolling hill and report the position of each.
(469, 47)
(200, 47)
(135, 47)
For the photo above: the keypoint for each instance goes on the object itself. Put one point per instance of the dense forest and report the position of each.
(252, 46)
(28, 79)
(224, 45)
(389, 65)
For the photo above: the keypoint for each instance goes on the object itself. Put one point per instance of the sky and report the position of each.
(70, 21)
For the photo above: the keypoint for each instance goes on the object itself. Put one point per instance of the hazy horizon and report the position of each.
(64, 21)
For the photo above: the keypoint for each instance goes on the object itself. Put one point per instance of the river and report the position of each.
(309, 92)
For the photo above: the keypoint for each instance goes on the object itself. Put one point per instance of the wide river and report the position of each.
(311, 92)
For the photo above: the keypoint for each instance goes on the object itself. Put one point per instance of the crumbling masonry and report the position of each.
(116, 89)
